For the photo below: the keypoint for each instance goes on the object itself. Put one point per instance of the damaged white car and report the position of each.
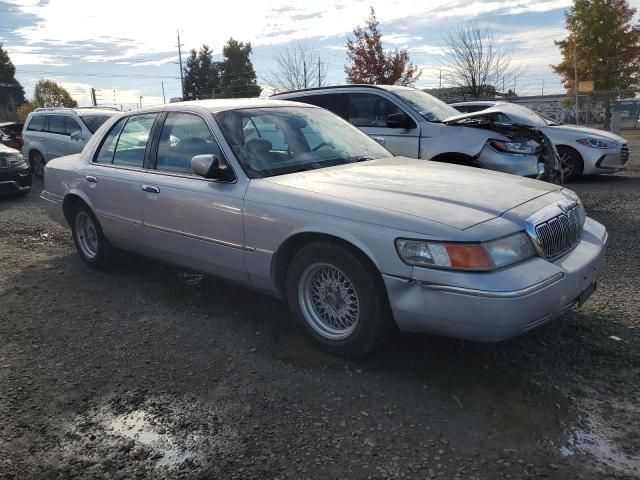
(411, 123)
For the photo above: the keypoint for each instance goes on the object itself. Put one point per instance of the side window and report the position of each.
(56, 124)
(72, 126)
(108, 147)
(369, 110)
(133, 140)
(333, 102)
(36, 124)
(184, 136)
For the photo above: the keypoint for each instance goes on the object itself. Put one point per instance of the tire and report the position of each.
(37, 164)
(339, 298)
(92, 246)
(571, 163)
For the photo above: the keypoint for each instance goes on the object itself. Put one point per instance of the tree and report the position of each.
(238, 78)
(201, 75)
(370, 64)
(607, 44)
(11, 92)
(48, 93)
(24, 110)
(474, 61)
(297, 67)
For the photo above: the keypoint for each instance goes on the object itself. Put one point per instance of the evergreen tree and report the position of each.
(238, 78)
(201, 75)
(191, 75)
(11, 92)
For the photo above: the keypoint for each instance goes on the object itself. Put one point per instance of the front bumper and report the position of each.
(15, 180)
(604, 161)
(514, 163)
(463, 309)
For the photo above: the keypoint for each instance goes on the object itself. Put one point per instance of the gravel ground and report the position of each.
(149, 372)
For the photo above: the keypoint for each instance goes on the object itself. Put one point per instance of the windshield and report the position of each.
(428, 106)
(281, 140)
(548, 120)
(94, 122)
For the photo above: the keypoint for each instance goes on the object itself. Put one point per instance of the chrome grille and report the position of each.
(4, 163)
(560, 233)
(624, 153)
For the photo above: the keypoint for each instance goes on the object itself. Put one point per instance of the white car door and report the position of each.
(113, 180)
(188, 219)
(370, 111)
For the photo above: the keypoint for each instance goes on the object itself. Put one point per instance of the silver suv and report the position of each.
(54, 132)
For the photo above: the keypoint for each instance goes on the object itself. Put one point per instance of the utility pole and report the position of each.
(575, 74)
(94, 102)
(319, 70)
(440, 86)
(164, 100)
(180, 61)
(542, 87)
(140, 101)
(304, 70)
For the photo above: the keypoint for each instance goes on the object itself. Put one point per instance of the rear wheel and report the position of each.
(570, 162)
(92, 246)
(339, 298)
(37, 164)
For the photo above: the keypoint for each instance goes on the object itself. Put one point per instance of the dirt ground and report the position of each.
(149, 372)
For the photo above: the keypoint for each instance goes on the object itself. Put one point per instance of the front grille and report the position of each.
(4, 163)
(624, 153)
(559, 234)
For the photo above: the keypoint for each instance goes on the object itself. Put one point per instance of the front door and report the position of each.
(73, 145)
(113, 180)
(369, 112)
(190, 220)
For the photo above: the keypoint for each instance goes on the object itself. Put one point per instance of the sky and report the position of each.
(128, 49)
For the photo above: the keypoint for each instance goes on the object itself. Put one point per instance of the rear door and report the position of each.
(369, 112)
(188, 219)
(113, 180)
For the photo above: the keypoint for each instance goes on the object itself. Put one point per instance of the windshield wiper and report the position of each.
(362, 158)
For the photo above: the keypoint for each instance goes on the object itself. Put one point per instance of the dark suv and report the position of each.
(15, 175)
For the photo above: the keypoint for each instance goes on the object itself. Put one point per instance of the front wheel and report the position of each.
(570, 162)
(37, 164)
(92, 246)
(339, 298)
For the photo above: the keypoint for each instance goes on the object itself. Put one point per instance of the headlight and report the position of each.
(466, 256)
(597, 143)
(512, 147)
(16, 160)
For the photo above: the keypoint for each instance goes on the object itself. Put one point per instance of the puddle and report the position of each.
(137, 426)
(582, 441)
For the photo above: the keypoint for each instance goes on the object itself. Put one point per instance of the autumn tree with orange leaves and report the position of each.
(369, 63)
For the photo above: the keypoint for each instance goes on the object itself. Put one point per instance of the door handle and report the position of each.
(150, 189)
(91, 179)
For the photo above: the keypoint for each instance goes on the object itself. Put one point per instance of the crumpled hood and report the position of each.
(582, 132)
(457, 196)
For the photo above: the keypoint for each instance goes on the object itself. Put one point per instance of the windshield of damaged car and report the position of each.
(280, 140)
(429, 107)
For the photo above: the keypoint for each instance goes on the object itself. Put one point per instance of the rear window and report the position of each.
(36, 124)
(94, 122)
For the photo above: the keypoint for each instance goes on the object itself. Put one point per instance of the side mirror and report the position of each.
(398, 120)
(209, 166)
(76, 136)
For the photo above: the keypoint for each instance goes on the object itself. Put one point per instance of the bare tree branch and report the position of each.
(476, 64)
(297, 67)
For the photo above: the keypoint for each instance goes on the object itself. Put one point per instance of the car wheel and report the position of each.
(571, 163)
(93, 247)
(339, 298)
(37, 164)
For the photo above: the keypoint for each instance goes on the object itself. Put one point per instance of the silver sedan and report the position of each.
(293, 201)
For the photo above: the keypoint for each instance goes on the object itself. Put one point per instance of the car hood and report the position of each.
(453, 195)
(582, 132)
(517, 114)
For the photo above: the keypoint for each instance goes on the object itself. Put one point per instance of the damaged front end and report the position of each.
(518, 134)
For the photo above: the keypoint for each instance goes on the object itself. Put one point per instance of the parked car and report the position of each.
(55, 132)
(15, 175)
(582, 150)
(412, 123)
(291, 200)
(11, 134)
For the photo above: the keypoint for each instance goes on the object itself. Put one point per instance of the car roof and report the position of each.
(354, 85)
(479, 103)
(222, 104)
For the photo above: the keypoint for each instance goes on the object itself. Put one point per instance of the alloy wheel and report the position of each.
(86, 235)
